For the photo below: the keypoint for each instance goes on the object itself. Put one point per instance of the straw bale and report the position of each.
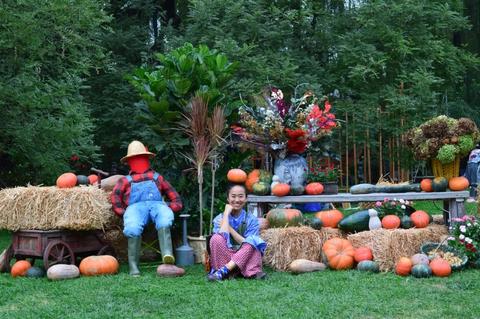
(49, 208)
(284, 245)
(389, 245)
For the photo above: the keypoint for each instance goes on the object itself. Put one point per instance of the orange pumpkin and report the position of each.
(458, 183)
(92, 179)
(98, 265)
(314, 189)
(281, 189)
(363, 253)
(440, 267)
(391, 222)
(252, 178)
(236, 175)
(426, 185)
(339, 253)
(19, 269)
(420, 219)
(330, 218)
(404, 266)
(67, 180)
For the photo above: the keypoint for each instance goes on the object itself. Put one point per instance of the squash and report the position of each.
(166, 270)
(20, 268)
(297, 190)
(426, 185)
(458, 183)
(261, 188)
(403, 267)
(421, 271)
(363, 253)
(315, 223)
(397, 188)
(355, 222)
(406, 222)
(330, 218)
(339, 253)
(363, 189)
(92, 179)
(252, 178)
(82, 180)
(440, 267)
(300, 266)
(107, 184)
(35, 272)
(314, 189)
(420, 219)
(61, 271)
(368, 265)
(284, 217)
(265, 176)
(281, 190)
(67, 180)
(439, 184)
(99, 265)
(418, 259)
(391, 222)
(236, 175)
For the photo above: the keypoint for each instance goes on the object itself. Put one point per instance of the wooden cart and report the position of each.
(54, 247)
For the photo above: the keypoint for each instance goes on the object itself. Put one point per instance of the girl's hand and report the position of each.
(228, 209)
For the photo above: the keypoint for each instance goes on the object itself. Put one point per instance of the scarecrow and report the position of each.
(138, 198)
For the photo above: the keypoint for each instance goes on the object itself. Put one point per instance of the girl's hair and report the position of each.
(232, 185)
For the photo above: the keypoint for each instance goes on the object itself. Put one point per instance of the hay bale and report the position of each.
(49, 208)
(389, 245)
(284, 245)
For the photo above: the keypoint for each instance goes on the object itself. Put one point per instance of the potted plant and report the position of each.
(443, 140)
(327, 175)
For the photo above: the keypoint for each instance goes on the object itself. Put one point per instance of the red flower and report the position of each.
(296, 140)
(471, 248)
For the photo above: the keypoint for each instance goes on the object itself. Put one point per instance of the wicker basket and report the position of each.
(446, 170)
(428, 246)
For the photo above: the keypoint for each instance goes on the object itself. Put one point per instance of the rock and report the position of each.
(165, 270)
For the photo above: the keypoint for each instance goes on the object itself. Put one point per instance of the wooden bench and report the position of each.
(453, 202)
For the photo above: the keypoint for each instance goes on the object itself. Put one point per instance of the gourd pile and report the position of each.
(69, 180)
(421, 266)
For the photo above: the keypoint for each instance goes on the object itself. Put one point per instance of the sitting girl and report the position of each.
(236, 243)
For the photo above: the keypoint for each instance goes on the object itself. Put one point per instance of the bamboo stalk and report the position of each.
(390, 159)
(380, 156)
(341, 158)
(346, 152)
(355, 168)
(365, 161)
(368, 157)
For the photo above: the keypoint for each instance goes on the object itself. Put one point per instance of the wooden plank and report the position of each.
(347, 197)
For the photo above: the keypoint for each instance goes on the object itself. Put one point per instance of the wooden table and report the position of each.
(453, 201)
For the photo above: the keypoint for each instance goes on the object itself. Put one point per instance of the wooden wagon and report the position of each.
(54, 247)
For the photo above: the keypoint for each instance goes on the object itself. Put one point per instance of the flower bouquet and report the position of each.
(466, 237)
(283, 127)
(396, 207)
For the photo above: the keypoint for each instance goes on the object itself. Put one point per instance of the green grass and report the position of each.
(344, 294)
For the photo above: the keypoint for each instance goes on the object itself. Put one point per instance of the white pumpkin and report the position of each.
(61, 271)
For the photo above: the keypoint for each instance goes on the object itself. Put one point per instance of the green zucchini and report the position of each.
(370, 188)
(356, 222)
(362, 189)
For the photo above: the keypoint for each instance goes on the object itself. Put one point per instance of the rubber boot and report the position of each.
(134, 244)
(165, 240)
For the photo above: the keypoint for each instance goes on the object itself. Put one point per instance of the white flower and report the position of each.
(402, 201)
(403, 206)
(468, 224)
(468, 240)
(450, 238)
(461, 237)
(463, 228)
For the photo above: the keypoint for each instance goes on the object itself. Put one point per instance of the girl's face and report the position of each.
(237, 197)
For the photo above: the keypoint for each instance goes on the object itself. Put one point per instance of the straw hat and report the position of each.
(136, 148)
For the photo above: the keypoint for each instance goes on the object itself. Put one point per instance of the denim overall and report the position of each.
(145, 204)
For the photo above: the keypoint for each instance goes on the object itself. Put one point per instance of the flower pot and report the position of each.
(330, 188)
(199, 246)
(446, 170)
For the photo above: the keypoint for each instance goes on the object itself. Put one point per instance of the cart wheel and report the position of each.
(5, 258)
(107, 250)
(58, 252)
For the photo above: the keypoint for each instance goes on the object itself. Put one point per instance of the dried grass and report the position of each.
(49, 208)
(284, 245)
(389, 245)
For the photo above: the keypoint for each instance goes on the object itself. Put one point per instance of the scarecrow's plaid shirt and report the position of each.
(121, 191)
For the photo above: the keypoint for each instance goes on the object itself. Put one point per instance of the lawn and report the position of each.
(345, 294)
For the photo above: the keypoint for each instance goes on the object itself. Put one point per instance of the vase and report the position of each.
(199, 246)
(446, 170)
(291, 170)
(330, 188)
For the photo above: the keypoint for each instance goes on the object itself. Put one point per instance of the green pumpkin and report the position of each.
(284, 217)
(368, 265)
(406, 222)
(261, 188)
(297, 190)
(355, 222)
(421, 271)
(35, 272)
(265, 177)
(439, 184)
(82, 180)
(315, 223)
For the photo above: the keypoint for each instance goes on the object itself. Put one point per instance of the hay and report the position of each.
(284, 245)
(389, 245)
(49, 208)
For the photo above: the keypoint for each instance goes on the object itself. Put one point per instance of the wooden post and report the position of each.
(380, 155)
(355, 168)
(368, 157)
(347, 182)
